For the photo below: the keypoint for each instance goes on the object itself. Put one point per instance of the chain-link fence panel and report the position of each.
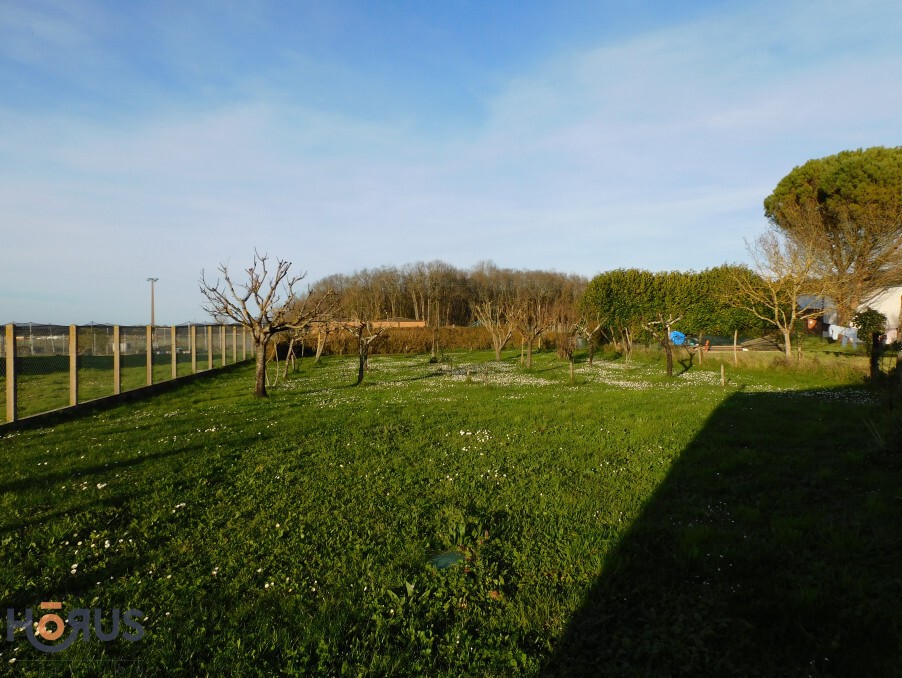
(216, 344)
(230, 345)
(183, 350)
(42, 368)
(133, 357)
(48, 378)
(203, 348)
(163, 354)
(221, 334)
(95, 362)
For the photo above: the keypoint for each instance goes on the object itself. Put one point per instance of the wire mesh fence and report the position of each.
(48, 367)
(95, 361)
(42, 362)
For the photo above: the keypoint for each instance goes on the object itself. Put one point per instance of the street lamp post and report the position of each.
(152, 281)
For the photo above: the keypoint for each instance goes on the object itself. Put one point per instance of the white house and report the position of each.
(888, 302)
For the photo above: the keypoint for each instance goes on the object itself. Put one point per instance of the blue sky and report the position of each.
(162, 138)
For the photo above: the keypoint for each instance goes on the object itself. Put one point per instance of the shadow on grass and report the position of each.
(772, 548)
(74, 474)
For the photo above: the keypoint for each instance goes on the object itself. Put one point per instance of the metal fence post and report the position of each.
(11, 404)
(209, 347)
(149, 342)
(175, 358)
(117, 362)
(73, 365)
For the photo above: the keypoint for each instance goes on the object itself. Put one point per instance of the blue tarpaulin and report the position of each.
(677, 338)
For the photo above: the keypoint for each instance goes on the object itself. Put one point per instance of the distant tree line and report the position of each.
(440, 294)
(836, 234)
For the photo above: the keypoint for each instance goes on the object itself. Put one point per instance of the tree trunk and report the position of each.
(787, 343)
(362, 347)
(260, 385)
(571, 369)
(668, 351)
(529, 353)
(289, 357)
(320, 344)
(735, 342)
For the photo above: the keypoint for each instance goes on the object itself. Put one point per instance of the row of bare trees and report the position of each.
(440, 294)
(502, 300)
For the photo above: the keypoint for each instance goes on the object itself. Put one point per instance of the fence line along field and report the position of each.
(48, 367)
(469, 517)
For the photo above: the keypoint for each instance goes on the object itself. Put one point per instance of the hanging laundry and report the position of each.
(836, 331)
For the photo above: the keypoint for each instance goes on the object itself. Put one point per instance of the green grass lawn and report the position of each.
(621, 525)
(43, 382)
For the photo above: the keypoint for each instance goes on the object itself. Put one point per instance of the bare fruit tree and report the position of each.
(366, 333)
(785, 285)
(493, 316)
(266, 304)
(359, 313)
(661, 329)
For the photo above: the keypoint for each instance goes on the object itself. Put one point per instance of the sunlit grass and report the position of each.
(295, 533)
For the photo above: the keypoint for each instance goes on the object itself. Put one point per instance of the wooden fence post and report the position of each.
(222, 346)
(209, 347)
(193, 335)
(73, 365)
(117, 362)
(244, 343)
(175, 352)
(11, 382)
(234, 344)
(149, 333)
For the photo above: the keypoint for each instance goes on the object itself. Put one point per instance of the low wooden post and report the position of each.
(234, 344)
(175, 351)
(117, 362)
(73, 365)
(735, 353)
(149, 334)
(209, 347)
(11, 382)
(244, 343)
(723, 378)
(701, 350)
(193, 337)
(222, 346)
